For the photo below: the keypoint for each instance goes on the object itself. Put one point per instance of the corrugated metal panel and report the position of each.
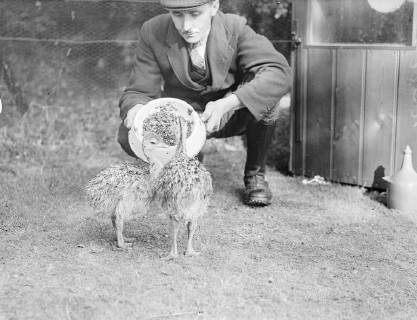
(297, 114)
(298, 96)
(348, 114)
(407, 108)
(318, 126)
(381, 83)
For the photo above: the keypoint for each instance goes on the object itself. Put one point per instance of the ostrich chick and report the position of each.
(182, 186)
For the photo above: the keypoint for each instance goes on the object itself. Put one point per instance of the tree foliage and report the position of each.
(98, 20)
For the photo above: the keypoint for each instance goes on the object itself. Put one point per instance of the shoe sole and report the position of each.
(260, 202)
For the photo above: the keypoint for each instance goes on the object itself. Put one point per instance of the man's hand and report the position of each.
(128, 122)
(215, 110)
(213, 115)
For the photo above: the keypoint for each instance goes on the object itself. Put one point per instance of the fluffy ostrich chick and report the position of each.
(181, 185)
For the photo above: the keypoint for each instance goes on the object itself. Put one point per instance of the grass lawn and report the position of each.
(318, 252)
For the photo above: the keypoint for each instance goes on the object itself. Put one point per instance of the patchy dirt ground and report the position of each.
(319, 252)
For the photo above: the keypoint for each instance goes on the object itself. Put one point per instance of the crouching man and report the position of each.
(219, 65)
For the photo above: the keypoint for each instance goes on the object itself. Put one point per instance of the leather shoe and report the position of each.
(257, 191)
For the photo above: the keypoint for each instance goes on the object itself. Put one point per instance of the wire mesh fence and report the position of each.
(64, 64)
(55, 50)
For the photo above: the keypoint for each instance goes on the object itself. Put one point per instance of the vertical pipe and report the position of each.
(332, 110)
(394, 134)
(362, 117)
(303, 124)
(295, 52)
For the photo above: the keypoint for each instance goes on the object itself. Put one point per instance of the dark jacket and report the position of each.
(239, 60)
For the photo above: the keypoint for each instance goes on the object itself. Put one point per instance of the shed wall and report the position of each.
(354, 113)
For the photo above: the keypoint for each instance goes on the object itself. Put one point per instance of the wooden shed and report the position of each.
(355, 89)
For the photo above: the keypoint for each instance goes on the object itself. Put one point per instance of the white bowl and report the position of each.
(194, 142)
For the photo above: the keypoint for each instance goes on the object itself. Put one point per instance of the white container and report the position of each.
(402, 187)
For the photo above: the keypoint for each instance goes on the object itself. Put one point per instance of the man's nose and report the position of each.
(187, 23)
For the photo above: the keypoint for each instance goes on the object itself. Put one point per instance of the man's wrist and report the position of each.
(232, 102)
(131, 114)
(135, 108)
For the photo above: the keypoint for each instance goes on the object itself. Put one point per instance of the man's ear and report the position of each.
(214, 7)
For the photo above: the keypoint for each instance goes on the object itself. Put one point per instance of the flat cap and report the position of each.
(182, 4)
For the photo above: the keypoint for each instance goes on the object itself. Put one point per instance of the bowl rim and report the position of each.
(194, 142)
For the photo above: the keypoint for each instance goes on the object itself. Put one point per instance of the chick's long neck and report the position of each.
(157, 164)
(182, 138)
(154, 170)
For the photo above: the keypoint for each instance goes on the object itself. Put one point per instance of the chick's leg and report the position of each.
(117, 220)
(175, 226)
(191, 227)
